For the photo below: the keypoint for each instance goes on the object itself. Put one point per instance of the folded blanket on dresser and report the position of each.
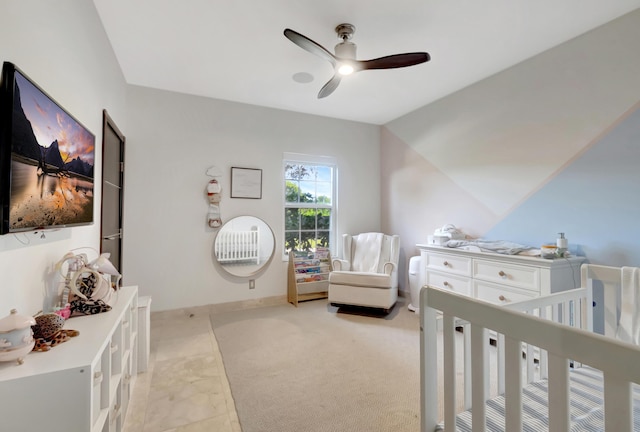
(495, 246)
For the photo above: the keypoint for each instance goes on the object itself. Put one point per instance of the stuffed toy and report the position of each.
(91, 285)
(48, 332)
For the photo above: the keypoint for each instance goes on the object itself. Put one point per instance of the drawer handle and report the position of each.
(503, 298)
(446, 283)
(97, 378)
(501, 273)
(446, 264)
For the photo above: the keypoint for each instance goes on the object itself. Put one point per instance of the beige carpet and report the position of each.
(317, 368)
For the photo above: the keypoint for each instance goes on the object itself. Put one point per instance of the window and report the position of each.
(309, 203)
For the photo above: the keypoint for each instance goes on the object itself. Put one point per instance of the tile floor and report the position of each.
(185, 388)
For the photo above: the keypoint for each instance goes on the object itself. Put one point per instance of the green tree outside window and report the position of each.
(308, 206)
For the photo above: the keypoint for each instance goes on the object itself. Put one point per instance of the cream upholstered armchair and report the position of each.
(368, 273)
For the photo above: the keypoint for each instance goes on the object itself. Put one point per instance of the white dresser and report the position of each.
(83, 384)
(496, 278)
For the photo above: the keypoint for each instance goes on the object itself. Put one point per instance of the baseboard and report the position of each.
(228, 307)
(248, 304)
(206, 310)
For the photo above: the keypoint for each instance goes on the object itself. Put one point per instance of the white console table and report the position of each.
(496, 278)
(83, 384)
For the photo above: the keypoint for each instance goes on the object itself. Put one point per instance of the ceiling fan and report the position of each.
(344, 61)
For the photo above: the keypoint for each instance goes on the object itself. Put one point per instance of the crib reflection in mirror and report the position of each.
(244, 246)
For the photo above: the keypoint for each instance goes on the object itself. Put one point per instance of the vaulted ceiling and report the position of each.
(235, 50)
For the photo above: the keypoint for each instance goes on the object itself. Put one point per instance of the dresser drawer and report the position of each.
(460, 284)
(497, 294)
(513, 275)
(449, 263)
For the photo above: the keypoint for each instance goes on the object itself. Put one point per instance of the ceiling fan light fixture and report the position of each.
(345, 69)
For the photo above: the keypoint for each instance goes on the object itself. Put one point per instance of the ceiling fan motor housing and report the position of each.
(346, 50)
(345, 31)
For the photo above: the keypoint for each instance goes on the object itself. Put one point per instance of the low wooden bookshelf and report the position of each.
(308, 277)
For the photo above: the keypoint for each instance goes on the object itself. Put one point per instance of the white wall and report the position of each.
(62, 46)
(172, 139)
(479, 157)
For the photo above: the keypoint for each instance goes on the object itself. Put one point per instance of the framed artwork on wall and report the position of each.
(246, 183)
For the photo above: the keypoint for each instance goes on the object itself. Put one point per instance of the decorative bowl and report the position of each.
(16, 336)
(548, 251)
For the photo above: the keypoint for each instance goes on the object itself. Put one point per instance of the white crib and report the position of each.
(571, 379)
(238, 247)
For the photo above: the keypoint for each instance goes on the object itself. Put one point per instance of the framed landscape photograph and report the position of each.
(246, 183)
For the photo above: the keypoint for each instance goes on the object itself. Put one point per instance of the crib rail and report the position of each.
(554, 332)
(238, 246)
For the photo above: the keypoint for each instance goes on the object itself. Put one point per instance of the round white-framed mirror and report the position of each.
(244, 245)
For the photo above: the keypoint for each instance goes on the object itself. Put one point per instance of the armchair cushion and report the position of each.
(362, 279)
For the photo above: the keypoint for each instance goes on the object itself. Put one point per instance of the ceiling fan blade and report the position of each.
(309, 45)
(394, 61)
(329, 87)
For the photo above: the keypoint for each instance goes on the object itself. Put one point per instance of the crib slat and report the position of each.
(428, 364)
(256, 241)
(449, 368)
(468, 355)
(555, 315)
(559, 418)
(531, 366)
(500, 348)
(544, 371)
(479, 372)
(587, 308)
(618, 408)
(513, 390)
(544, 364)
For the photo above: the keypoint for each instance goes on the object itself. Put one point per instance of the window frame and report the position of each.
(306, 159)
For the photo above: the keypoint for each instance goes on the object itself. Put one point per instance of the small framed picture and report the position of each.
(246, 183)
